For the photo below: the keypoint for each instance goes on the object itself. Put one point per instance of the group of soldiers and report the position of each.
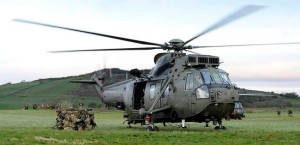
(43, 106)
(72, 119)
(290, 113)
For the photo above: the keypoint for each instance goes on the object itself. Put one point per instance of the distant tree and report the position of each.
(9, 83)
(292, 95)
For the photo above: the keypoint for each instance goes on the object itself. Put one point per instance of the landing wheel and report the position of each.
(183, 127)
(150, 128)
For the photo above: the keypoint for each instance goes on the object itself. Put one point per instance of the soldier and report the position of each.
(81, 106)
(290, 112)
(52, 106)
(25, 107)
(90, 119)
(58, 106)
(42, 106)
(48, 106)
(68, 122)
(80, 122)
(60, 119)
(34, 106)
(278, 113)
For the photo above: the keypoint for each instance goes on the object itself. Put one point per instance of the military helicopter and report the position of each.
(180, 87)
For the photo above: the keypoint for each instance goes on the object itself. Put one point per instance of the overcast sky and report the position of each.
(24, 47)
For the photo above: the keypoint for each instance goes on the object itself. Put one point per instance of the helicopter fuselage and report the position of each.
(180, 86)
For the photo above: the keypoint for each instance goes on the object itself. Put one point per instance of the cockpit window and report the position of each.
(215, 77)
(225, 78)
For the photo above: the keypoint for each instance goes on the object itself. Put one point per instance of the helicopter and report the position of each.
(180, 87)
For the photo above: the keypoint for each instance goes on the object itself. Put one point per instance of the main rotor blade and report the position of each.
(288, 43)
(109, 49)
(192, 52)
(93, 33)
(244, 11)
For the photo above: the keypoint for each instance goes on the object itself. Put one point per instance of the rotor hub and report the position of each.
(176, 44)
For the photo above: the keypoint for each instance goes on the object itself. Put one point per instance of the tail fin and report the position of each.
(98, 85)
(97, 82)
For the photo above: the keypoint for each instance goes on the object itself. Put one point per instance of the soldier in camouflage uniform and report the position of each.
(90, 119)
(75, 119)
(60, 119)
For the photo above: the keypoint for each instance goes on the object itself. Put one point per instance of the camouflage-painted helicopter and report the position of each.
(179, 88)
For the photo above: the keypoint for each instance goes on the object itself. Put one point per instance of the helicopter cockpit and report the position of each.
(215, 77)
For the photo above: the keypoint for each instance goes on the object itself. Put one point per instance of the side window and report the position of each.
(152, 91)
(189, 84)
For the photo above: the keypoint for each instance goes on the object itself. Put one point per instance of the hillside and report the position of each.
(55, 90)
(60, 90)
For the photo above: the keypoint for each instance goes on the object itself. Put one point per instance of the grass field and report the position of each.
(259, 127)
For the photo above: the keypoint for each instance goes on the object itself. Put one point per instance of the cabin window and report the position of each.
(152, 91)
(189, 82)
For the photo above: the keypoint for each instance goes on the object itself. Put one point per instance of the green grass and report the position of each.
(259, 127)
